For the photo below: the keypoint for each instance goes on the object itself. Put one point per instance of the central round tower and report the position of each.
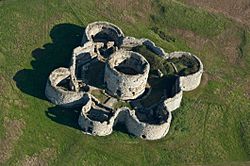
(126, 74)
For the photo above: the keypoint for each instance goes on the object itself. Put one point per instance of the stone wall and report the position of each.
(130, 42)
(128, 118)
(63, 87)
(94, 127)
(157, 50)
(145, 130)
(126, 86)
(59, 95)
(192, 81)
(111, 29)
(174, 102)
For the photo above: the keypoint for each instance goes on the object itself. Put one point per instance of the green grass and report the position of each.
(99, 95)
(185, 65)
(155, 61)
(211, 126)
(121, 104)
(176, 15)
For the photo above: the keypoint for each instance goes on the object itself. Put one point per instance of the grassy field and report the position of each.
(211, 127)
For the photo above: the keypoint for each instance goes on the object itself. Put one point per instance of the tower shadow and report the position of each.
(65, 37)
(64, 116)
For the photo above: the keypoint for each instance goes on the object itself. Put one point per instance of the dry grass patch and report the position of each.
(13, 130)
(237, 10)
(229, 42)
(125, 10)
(192, 39)
(39, 159)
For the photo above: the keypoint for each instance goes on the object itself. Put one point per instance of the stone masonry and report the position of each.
(124, 78)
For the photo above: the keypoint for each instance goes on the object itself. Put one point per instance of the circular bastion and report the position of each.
(101, 30)
(126, 74)
(191, 81)
(101, 123)
(58, 89)
(125, 77)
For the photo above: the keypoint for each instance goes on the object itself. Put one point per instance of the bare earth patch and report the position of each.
(237, 10)
(13, 132)
(204, 79)
(125, 10)
(2, 85)
(192, 40)
(229, 42)
(247, 89)
(39, 159)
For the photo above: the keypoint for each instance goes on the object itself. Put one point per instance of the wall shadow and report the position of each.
(65, 37)
(64, 116)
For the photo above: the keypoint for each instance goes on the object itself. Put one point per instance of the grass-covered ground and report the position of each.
(211, 127)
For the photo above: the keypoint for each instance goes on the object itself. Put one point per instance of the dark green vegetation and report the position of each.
(120, 104)
(185, 65)
(178, 16)
(212, 125)
(155, 61)
(99, 95)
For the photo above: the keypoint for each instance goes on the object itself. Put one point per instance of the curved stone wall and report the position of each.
(125, 76)
(174, 102)
(94, 127)
(128, 117)
(192, 81)
(112, 30)
(157, 50)
(122, 84)
(130, 42)
(58, 95)
(145, 130)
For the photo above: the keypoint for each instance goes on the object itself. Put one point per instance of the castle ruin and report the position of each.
(113, 84)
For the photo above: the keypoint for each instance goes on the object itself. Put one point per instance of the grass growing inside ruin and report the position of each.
(185, 65)
(155, 61)
(121, 104)
(211, 126)
(99, 95)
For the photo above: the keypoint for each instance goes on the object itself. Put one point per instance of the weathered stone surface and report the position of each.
(173, 102)
(192, 81)
(59, 95)
(130, 42)
(125, 85)
(125, 76)
(126, 116)
(157, 50)
(104, 27)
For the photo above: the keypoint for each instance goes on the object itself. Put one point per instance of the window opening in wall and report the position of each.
(89, 130)
(118, 92)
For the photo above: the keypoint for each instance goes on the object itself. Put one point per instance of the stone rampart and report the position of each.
(101, 26)
(192, 81)
(126, 116)
(126, 74)
(59, 95)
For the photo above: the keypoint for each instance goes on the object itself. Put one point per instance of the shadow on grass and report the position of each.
(64, 116)
(121, 128)
(65, 37)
